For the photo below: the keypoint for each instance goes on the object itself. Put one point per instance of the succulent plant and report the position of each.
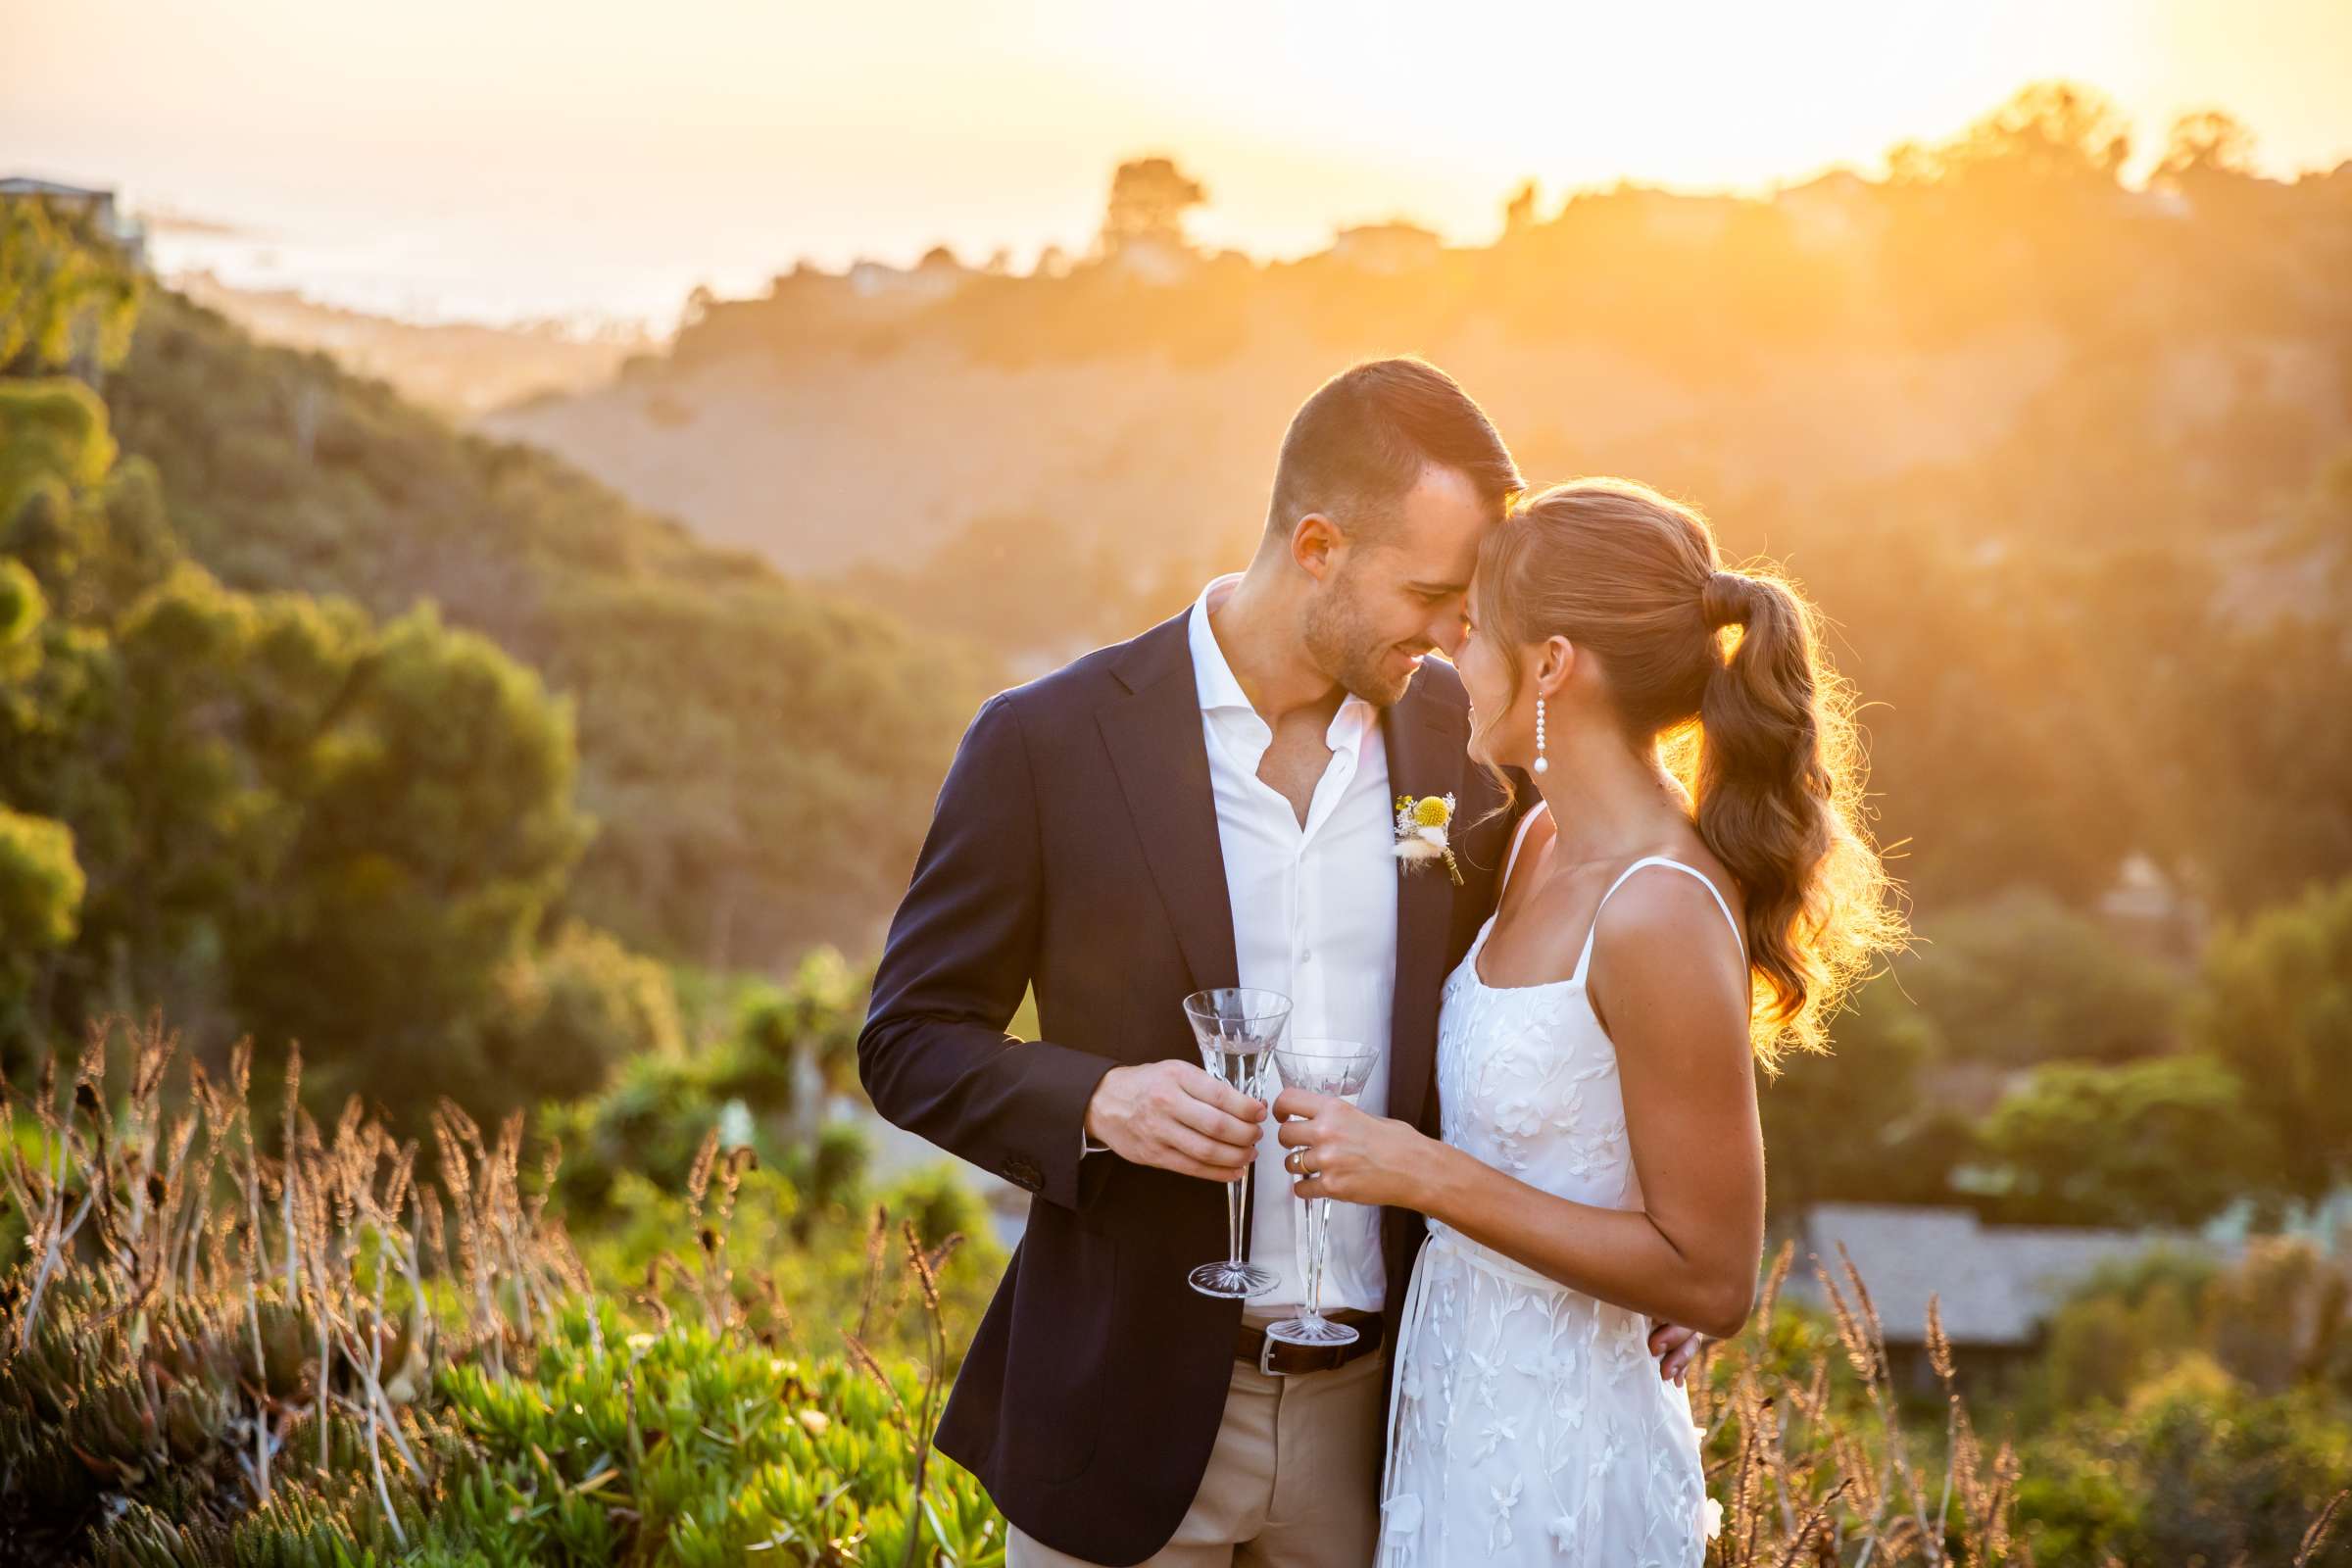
(309, 1356)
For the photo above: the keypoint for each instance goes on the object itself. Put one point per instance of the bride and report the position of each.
(1690, 896)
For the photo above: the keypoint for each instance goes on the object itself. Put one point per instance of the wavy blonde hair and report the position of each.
(1722, 672)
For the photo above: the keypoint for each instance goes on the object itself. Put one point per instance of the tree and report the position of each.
(2276, 1002)
(2210, 141)
(2276, 774)
(1854, 1125)
(40, 904)
(264, 812)
(567, 1015)
(809, 1028)
(22, 610)
(2166, 1142)
(2024, 979)
(52, 435)
(2130, 1318)
(1519, 213)
(760, 751)
(2050, 132)
(1148, 198)
(67, 297)
(40, 884)
(2193, 1468)
(435, 828)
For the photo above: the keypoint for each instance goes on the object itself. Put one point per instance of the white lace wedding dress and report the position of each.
(1527, 1423)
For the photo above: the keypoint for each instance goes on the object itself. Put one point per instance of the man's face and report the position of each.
(1390, 599)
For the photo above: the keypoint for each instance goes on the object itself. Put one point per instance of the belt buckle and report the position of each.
(1265, 1356)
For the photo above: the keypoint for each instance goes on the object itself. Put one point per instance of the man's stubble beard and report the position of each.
(1336, 641)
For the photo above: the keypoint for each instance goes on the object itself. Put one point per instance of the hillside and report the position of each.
(758, 756)
(2032, 435)
(839, 455)
(2002, 300)
(458, 370)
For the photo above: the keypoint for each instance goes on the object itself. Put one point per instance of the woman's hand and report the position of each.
(1338, 1152)
(1676, 1348)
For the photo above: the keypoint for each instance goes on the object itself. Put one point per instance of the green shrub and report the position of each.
(710, 1448)
(2164, 1142)
(213, 1354)
(2276, 1005)
(2194, 1468)
(565, 1017)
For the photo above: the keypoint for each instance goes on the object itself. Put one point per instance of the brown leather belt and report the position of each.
(1288, 1360)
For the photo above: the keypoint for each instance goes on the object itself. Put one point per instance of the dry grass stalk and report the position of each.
(1811, 1459)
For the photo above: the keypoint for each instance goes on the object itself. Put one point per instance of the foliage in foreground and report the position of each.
(218, 1352)
(1819, 1458)
(288, 1347)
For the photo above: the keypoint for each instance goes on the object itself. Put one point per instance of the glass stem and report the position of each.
(1318, 1239)
(1237, 1197)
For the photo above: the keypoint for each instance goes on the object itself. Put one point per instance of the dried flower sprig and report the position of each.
(1421, 833)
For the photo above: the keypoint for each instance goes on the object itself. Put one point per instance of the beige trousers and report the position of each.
(1293, 1481)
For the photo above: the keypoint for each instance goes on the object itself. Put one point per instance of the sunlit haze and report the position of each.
(454, 158)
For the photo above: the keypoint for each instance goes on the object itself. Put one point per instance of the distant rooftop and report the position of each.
(1997, 1284)
(28, 185)
(96, 206)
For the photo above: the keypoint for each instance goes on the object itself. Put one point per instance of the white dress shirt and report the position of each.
(1314, 917)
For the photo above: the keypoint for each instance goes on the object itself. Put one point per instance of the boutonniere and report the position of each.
(1421, 826)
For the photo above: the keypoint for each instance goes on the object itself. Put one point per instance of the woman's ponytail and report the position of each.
(1772, 757)
(1773, 763)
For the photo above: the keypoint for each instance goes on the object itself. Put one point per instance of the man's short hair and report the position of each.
(1357, 446)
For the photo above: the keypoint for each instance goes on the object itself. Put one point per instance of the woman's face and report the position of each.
(1485, 667)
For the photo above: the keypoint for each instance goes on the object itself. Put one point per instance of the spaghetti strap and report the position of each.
(1518, 838)
(1584, 958)
(1513, 857)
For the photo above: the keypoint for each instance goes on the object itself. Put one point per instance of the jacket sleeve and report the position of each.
(934, 1055)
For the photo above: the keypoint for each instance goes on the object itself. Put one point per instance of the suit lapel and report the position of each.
(1162, 762)
(1426, 744)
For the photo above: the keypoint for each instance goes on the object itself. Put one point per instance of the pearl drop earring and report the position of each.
(1542, 762)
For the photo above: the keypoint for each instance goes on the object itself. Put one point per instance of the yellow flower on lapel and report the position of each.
(1421, 826)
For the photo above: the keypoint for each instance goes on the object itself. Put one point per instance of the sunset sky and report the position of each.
(502, 157)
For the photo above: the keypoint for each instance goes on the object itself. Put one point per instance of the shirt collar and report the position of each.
(1211, 672)
(1221, 689)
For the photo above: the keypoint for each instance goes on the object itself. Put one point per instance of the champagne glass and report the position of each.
(1238, 1029)
(1339, 1067)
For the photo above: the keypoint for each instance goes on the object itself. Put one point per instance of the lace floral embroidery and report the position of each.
(1529, 1423)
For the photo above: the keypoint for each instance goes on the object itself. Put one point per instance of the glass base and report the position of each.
(1311, 1331)
(1233, 1280)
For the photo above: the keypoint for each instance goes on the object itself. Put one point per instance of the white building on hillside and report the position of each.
(97, 206)
(1995, 1286)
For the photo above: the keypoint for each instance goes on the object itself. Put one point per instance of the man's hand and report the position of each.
(1175, 1115)
(1676, 1348)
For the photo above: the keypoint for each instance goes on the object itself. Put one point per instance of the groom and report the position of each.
(1210, 805)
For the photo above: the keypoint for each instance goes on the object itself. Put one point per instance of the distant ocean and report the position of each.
(410, 278)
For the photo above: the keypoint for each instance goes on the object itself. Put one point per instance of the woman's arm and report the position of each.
(1674, 997)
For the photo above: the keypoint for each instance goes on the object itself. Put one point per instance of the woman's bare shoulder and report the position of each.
(1661, 917)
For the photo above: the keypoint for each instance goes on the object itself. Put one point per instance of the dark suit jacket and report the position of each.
(1074, 848)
